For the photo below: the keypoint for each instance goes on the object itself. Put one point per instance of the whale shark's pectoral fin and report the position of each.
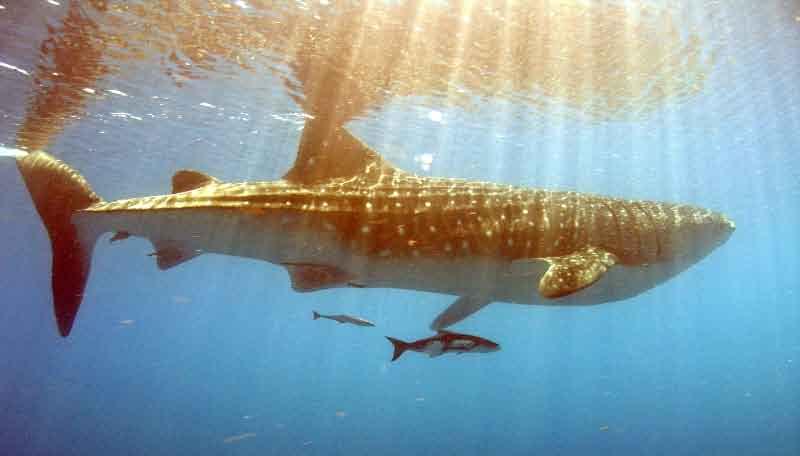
(172, 253)
(186, 180)
(570, 273)
(313, 277)
(462, 308)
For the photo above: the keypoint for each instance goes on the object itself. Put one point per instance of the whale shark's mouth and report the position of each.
(730, 224)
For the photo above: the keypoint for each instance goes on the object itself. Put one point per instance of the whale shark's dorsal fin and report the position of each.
(186, 179)
(328, 151)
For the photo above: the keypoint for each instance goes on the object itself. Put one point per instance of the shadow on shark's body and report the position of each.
(343, 216)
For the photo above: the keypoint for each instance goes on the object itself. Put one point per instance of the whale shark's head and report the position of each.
(697, 232)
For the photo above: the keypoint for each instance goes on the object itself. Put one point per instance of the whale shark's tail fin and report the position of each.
(58, 191)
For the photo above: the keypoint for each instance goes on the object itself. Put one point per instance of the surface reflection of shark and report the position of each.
(343, 216)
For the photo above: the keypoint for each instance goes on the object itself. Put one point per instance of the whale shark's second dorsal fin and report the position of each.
(186, 179)
(328, 151)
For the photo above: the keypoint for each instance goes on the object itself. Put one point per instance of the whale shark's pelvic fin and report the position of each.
(570, 273)
(313, 277)
(328, 151)
(462, 308)
(186, 180)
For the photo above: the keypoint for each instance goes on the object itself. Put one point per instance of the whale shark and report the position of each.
(343, 216)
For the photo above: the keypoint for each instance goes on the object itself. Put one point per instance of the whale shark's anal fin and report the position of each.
(570, 273)
(119, 236)
(462, 308)
(313, 277)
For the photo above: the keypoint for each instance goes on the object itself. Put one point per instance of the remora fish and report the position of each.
(444, 342)
(344, 319)
(343, 216)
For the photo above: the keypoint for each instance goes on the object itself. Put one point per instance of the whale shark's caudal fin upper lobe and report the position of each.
(58, 191)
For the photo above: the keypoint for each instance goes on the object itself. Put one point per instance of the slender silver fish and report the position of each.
(344, 319)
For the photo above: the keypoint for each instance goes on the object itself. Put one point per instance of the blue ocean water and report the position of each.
(220, 356)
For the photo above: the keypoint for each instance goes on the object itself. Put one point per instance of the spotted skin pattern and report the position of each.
(406, 215)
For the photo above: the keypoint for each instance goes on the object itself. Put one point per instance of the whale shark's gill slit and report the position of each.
(576, 233)
(638, 233)
(614, 218)
(641, 241)
(655, 230)
(630, 240)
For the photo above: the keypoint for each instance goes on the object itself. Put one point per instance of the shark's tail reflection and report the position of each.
(57, 192)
